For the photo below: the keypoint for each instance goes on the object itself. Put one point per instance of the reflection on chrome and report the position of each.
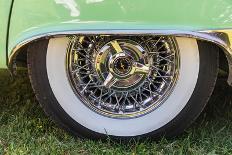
(71, 5)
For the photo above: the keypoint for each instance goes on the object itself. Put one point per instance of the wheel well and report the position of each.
(21, 57)
(223, 65)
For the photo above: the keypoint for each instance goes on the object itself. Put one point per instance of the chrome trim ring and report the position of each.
(125, 92)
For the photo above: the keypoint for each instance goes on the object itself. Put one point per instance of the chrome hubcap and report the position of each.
(122, 77)
(122, 64)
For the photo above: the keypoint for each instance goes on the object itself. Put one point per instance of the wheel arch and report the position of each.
(18, 54)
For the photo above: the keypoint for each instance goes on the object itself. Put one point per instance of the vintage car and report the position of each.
(119, 68)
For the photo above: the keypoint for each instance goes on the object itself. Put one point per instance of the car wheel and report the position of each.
(123, 87)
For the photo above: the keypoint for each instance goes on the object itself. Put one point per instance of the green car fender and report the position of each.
(32, 19)
(5, 7)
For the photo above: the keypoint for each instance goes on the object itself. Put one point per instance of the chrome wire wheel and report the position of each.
(123, 77)
(144, 86)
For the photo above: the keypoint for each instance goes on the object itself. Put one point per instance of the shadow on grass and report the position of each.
(24, 128)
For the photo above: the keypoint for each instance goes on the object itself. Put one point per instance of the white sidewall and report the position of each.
(56, 70)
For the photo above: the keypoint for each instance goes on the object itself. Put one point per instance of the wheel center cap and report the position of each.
(118, 67)
(122, 65)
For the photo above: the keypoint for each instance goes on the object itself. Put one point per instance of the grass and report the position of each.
(24, 128)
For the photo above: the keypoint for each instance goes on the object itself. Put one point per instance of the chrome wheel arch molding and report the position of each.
(222, 38)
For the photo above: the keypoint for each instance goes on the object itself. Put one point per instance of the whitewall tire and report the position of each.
(196, 78)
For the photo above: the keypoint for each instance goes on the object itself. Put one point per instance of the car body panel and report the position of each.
(5, 6)
(35, 17)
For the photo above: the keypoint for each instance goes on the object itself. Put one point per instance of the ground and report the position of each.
(25, 129)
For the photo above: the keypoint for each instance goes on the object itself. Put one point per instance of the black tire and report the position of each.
(37, 54)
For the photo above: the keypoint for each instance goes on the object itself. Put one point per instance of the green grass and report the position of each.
(24, 128)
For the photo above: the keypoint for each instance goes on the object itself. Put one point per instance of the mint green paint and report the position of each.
(4, 14)
(35, 17)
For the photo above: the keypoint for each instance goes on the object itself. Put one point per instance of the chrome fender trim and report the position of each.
(222, 38)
